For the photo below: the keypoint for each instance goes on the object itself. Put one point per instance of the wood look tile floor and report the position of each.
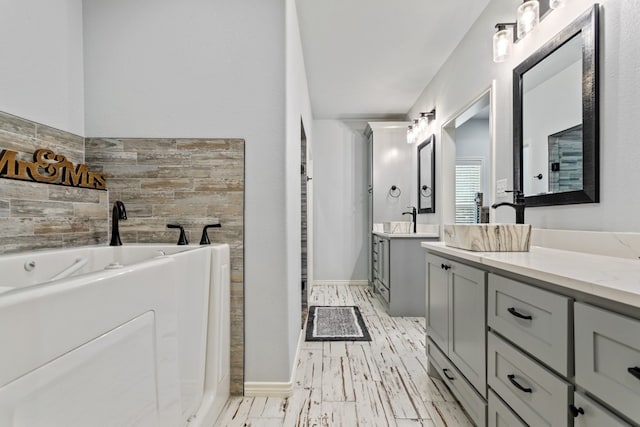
(379, 383)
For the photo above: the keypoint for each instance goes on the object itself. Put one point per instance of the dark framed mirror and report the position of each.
(427, 175)
(556, 118)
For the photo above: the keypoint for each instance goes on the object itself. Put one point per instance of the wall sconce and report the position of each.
(503, 41)
(410, 135)
(419, 126)
(528, 17)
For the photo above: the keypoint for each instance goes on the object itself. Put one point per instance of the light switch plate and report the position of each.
(501, 187)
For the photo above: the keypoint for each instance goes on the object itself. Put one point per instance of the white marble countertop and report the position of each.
(616, 279)
(420, 235)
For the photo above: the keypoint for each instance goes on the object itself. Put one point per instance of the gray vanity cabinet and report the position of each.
(522, 358)
(456, 316)
(398, 272)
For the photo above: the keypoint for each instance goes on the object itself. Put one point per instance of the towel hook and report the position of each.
(395, 191)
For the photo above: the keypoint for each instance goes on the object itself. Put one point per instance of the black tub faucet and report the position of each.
(182, 240)
(518, 204)
(205, 237)
(413, 214)
(118, 213)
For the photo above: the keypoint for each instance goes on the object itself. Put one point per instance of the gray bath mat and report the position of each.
(336, 323)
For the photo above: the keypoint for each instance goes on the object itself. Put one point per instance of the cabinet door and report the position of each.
(437, 295)
(607, 349)
(467, 323)
(593, 415)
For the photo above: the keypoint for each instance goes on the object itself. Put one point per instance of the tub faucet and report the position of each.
(182, 240)
(205, 237)
(413, 216)
(518, 204)
(118, 213)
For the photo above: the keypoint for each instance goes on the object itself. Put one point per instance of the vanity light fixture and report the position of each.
(416, 130)
(410, 136)
(503, 41)
(556, 4)
(528, 17)
(419, 126)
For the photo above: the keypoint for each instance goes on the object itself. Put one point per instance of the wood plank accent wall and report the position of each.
(191, 182)
(36, 215)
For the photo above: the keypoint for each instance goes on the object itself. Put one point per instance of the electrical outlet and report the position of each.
(501, 187)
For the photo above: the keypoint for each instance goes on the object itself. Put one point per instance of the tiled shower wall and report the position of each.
(36, 215)
(191, 182)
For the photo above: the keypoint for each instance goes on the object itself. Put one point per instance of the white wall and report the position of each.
(394, 163)
(472, 141)
(341, 200)
(41, 76)
(470, 69)
(298, 108)
(215, 68)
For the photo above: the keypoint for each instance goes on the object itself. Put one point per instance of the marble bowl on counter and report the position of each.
(488, 237)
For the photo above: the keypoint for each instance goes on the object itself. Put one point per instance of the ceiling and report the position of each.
(371, 59)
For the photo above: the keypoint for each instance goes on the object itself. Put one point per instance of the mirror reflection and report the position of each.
(427, 176)
(552, 122)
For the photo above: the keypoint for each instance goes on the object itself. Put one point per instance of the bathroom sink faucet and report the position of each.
(413, 216)
(118, 213)
(518, 204)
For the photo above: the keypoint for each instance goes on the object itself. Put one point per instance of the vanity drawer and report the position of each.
(500, 415)
(534, 393)
(383, 291)
(534, 319)
(607, 348)
(472, 402)
(594, 415)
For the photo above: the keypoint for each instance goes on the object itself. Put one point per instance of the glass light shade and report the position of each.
(410, 135)
(528, 17)
(557, 4)
(423, 123)
(502, 42)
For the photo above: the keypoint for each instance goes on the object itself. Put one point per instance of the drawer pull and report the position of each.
(518, 385)
(515, 313)
(575, 411)
(635, 371)
(445, 372)
(445, 266)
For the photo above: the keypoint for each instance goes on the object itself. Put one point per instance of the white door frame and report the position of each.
(448, 156)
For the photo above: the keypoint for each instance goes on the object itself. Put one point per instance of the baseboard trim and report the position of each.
(340, 282)
(275, 389)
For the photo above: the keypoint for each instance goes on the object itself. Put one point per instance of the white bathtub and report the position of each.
(144, 342)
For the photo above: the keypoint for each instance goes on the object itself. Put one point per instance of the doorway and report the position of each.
(468, 166)
(304, 180)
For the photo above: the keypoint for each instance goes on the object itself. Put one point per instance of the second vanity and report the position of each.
(546, 337)
(397, 270)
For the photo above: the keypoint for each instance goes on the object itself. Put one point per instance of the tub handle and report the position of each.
(205, 237)
(182, 240)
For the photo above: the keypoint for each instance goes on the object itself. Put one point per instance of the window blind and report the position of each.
(468, 182)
